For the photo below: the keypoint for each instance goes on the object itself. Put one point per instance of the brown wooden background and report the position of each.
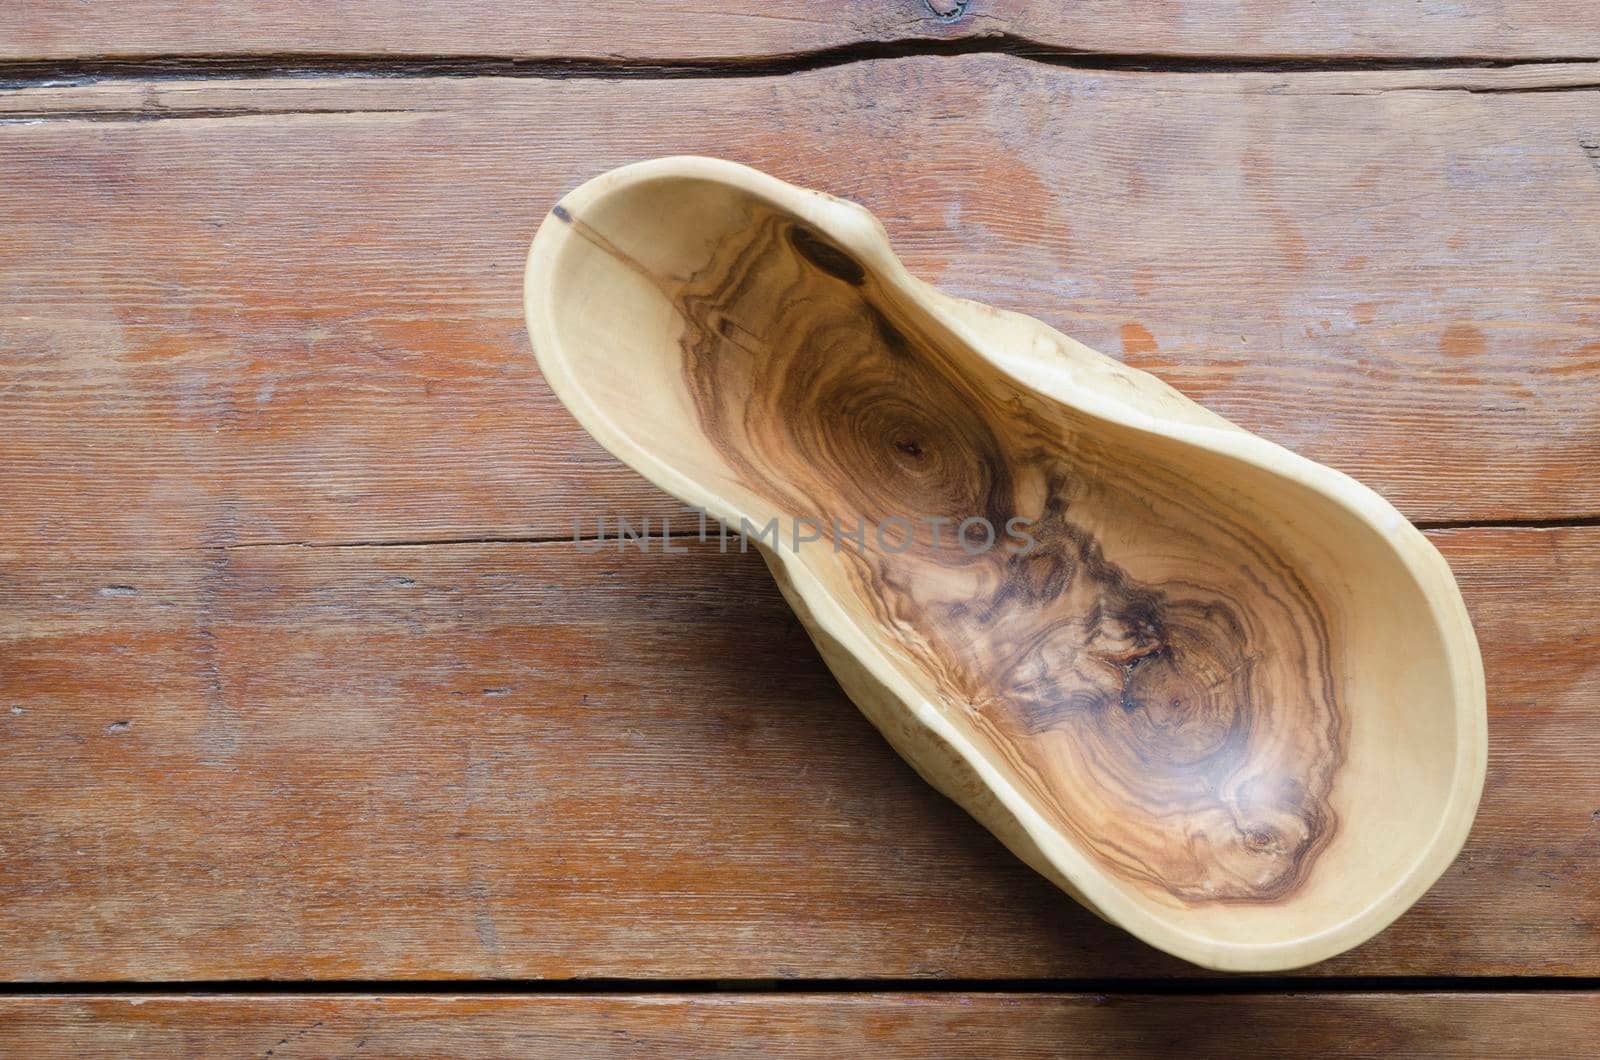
(319, 735)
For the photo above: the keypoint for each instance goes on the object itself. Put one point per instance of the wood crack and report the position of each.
(151, 114)
(1559, 523)
(631, 543)
(76, 72)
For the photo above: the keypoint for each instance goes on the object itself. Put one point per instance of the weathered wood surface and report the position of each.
(289, 310)
(1434, 1025)
(742, 29)
(521, 760)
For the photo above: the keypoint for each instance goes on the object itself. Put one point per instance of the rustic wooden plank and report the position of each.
(816, 1025)
(729, 29)
(289, 310)
(527, 761)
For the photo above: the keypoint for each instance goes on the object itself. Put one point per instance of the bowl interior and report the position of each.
(1223, 689)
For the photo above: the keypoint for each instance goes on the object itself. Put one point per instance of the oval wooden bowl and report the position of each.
(1227, 698)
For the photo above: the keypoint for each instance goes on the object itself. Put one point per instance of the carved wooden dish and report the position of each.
(1228, 698)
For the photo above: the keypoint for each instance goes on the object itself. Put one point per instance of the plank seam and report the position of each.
(1246, 986)
(644, 539)
(126, 115)
(46, 73)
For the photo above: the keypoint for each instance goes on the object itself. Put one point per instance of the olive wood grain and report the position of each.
(1228, 698)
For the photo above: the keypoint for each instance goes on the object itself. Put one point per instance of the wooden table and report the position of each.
(318, 732)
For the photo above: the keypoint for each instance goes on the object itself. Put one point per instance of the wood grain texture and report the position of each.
(734, 29)
(1169, 695)
(522, 760)
(289, 310)
(1432, 1025)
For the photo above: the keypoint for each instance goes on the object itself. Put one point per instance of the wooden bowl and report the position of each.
(1223, 696)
